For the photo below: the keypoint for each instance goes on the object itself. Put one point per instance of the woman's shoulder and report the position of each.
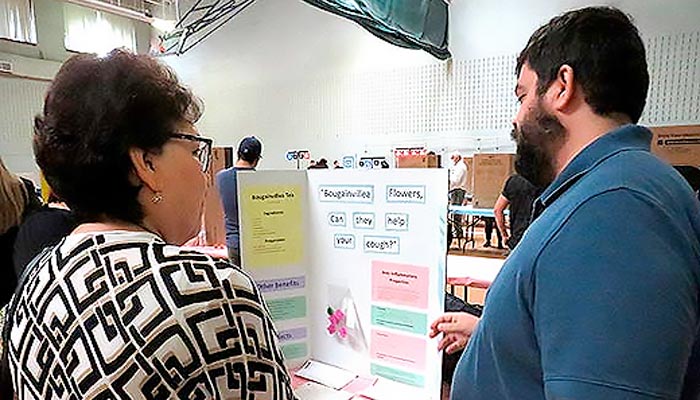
(132, 256)
(195, 267)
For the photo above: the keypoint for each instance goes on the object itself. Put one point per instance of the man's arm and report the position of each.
(498, 210)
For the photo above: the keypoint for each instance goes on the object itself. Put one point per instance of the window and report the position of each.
(93, 31)
(17, 21)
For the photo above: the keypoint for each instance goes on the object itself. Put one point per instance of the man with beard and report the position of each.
(600, 298)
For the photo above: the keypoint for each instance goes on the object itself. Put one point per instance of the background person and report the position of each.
(17, 202)
(458, 179)
(45, 227)
(518, 194)
(489, 227)
(249, 155)
(456, 192)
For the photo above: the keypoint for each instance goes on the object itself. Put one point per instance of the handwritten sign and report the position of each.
(276, 285)
(336, 218)
(363, 220)
(401, 350)
(401, 284)
(293, 334)
(344, 241)
(346, 193)
(272, 216)
(381, 244)
(405, 194)
(396, 222)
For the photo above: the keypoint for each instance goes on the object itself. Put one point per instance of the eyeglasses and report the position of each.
(203, 152)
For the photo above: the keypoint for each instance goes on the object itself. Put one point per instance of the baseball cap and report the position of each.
(250, 148)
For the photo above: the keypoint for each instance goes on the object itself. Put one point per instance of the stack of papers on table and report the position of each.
(315, 391)
(328, 375)
(385, 389)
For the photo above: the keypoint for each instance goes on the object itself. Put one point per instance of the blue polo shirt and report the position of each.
(600, 298)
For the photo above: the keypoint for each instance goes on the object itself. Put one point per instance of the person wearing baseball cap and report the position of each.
(249, 155)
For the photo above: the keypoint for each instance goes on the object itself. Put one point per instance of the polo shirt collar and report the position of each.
(624, 138)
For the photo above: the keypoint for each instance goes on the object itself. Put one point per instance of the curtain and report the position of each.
(17, 21)
(92, 31)
(415, 24)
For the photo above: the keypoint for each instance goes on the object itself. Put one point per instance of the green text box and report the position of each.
(407, 321)
(294, 351)
(287, 308)
(397, 375)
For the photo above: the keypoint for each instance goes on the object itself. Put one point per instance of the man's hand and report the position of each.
(456, 327)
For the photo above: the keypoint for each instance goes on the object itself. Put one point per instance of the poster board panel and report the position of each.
(272, 214)
(372, 245)
(379, 245)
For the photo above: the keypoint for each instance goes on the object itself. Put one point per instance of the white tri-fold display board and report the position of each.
(352, 266)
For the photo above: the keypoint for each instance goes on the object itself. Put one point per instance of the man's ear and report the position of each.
(562, 89)
(144, 168)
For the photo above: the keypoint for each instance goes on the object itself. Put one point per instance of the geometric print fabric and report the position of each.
(122, 315)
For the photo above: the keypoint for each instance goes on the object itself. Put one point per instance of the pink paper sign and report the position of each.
(400, 284)
(398, 349)
(359, 384)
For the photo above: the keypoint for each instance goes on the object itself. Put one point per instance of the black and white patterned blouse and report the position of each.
(122, 315)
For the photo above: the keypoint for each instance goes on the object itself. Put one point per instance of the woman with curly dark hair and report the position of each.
(117, 309)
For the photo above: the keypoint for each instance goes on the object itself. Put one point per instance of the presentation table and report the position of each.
(476, 272)
(470, 218)
(471, 272)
